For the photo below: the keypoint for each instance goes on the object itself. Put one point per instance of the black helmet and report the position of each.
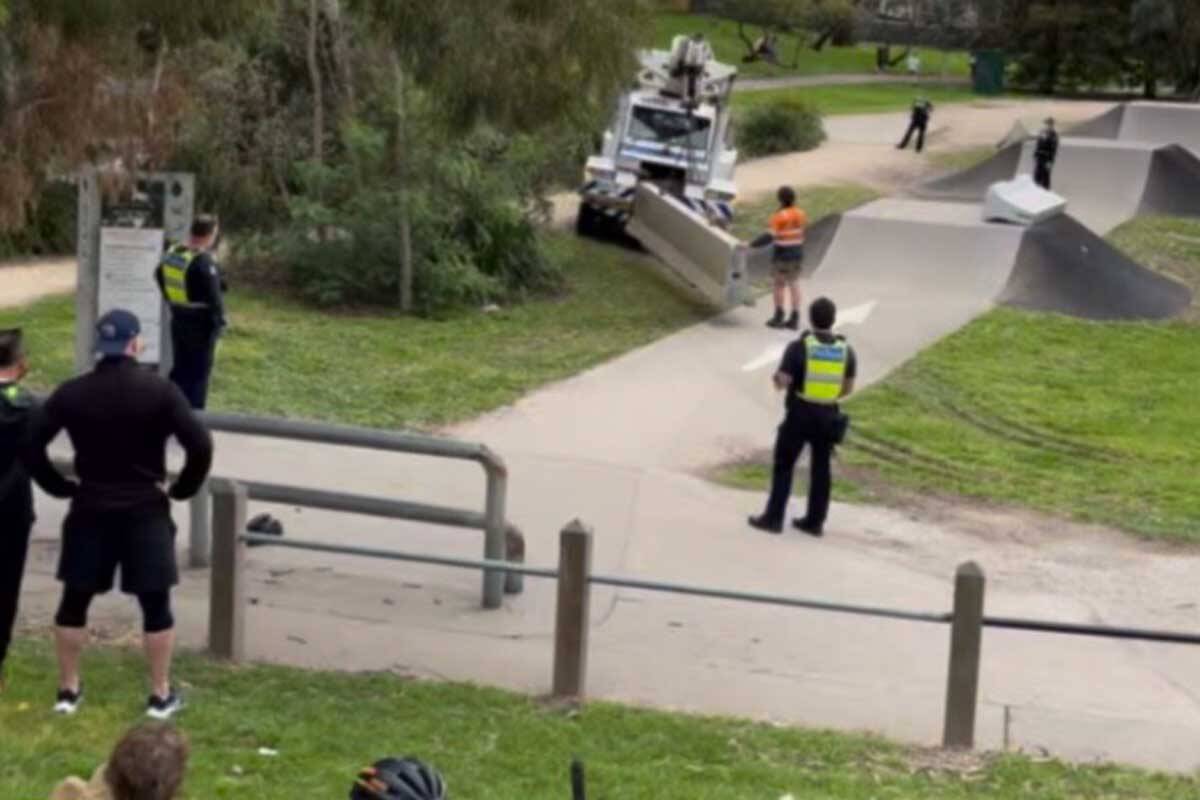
(399, 779)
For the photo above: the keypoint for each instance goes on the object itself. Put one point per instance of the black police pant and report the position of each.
(193, 355)
(14, 547)
(1041, 174)
(801, 428)
(919, 129)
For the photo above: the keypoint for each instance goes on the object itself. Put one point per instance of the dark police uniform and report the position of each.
(1044, 154)
(17, 411)
(191, 283)
(921, 112)
(119, 418)
(818, 364)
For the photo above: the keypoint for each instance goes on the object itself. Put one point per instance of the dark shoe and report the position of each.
(804, 526)
(764, 524)
(163, 708)
(793, 322)
(67, 702)
(777, 320)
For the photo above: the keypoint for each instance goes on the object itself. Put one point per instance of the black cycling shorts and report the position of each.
(94, 545)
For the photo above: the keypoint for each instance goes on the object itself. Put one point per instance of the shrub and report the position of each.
(51, 226)
(785, 127)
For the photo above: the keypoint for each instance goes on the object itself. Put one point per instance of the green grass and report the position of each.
(1087, 420)
(859, 59)
(283, 358)
(817, 201)
(488, 744)
(857, 98)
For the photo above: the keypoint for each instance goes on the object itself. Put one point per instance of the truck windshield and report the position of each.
(669, 128)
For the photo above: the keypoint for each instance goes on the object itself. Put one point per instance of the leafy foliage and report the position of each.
(783, 127)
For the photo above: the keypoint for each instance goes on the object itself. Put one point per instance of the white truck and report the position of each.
(665, 170)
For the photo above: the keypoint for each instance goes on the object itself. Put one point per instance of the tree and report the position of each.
(1153, 26)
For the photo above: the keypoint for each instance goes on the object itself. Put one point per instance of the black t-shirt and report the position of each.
(795, 364)
(119, 418)
(1047, 146)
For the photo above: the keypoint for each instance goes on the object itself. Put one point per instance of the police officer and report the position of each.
(17, 410)
(1044, 154)
(119, 418)
(922, 110)
(191, 284)
(817, 371)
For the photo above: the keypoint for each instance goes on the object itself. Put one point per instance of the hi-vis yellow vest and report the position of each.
(824, 370)
(175, 266)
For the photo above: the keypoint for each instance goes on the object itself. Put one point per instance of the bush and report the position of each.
(473, 238)
(51, 227)
(786, 127)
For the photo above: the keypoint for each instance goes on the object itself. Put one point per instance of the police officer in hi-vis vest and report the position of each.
(817, 371)
(191, 283)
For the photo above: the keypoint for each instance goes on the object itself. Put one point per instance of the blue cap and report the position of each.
(115, 331)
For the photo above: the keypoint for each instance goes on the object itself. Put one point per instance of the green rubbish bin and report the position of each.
(987, 76)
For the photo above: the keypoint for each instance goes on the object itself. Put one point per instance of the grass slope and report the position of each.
(489, 744)
(859, 59)
(855, 98)
(1089, 420)
(377, 369)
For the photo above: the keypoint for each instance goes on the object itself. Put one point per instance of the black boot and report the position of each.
(777, 320)
(793, 322)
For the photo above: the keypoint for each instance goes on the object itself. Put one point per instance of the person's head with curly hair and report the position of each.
(148, 763)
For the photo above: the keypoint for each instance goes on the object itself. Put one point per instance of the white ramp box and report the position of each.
(1021, 201)
(703, 255)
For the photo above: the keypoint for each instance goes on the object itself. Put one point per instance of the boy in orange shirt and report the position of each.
(787, 229)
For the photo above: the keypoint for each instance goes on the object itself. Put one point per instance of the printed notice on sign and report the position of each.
(128, 259)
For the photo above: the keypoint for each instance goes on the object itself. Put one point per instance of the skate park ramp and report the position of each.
(971, 184)
(1065, 268)
(928, 268)
(1151, 122)
(1106, 182)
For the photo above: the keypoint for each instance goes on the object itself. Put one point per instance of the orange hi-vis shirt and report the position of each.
(788, 225)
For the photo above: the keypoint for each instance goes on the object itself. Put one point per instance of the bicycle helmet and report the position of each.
(399, 779)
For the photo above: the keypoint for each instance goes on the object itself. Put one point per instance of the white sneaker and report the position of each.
(67, 701)
(163, 708)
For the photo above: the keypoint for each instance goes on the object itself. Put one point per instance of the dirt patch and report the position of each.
(23, 282)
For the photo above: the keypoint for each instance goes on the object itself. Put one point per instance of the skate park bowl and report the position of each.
(1106, 182)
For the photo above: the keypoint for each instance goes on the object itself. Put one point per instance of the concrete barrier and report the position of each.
(706, 257)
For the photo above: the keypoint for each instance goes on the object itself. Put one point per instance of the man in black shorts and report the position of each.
(119, 418)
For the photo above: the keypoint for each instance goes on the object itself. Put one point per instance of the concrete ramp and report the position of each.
(1174, 184)
(707, 258)
(1162, 123)
(1065, 268)
(924, 269)
(971, 184)
(1105, 126)
(1104, 181)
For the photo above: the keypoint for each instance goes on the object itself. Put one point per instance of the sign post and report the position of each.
(119, 248)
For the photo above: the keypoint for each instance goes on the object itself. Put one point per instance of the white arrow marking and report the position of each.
(769, 356)
(857, 315)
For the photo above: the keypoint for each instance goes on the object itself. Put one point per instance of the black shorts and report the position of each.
(788, 261)
(95, 544)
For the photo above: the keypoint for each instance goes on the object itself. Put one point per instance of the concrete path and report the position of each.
(623, 447)
(800, 81)
(23, 282)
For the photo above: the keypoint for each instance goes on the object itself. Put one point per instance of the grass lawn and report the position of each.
(856, 98)
(817, 201)
(859, 59)
(1107, 433)
(488, 744)
(382, 370)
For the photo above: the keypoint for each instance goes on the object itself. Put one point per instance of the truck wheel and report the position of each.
(587, 221)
